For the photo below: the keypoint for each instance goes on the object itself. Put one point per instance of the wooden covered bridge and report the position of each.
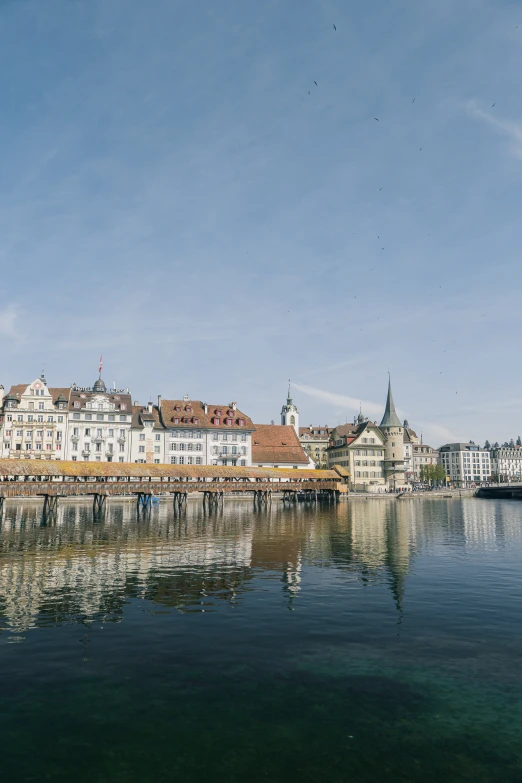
(52, 480)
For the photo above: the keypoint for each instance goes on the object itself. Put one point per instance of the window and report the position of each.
(224, 450)
(234, 436)
(182, 460)
(156, 462)
(292, 420)
(49, 433)
(122, 434)
(123, 418)
(123, 407)
(112, 417)
(111, 434)
(38, 447)
(86, 446)
(214, 436)
(243, 436)
(39, 419)
(234, 462)
(99, 416)
(241, 422)
(88, 417)
(75, 416)
(41, 406)
(87, 432)
(158, 437)
(190, 446)
(198, 460)
(229, 422)
(197, 434)
(31, 406)
(173, 446)
(214, 449)
(189, 460)
(217, 421)
(225, 436)
(173, 460)
(243, 463)
(156, 449)
(234, 449)
(142, 436)
(30, 417)
(141, 449)
(98, 432)
(98, 446)
(122, 446)
(76, 404)
(198, 446)
(120, 459)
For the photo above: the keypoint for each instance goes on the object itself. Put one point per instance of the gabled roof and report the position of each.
(121, 400)
(188, 411)
(390, 418)
(140, 414)
(277, 444)
(20, 388)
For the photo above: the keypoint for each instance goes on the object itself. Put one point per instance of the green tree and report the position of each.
(519, 441)
(487, 445)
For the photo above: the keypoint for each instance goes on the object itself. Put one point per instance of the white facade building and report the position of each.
(506, 463)
(33, 421)
(197, 433)
(466, 464)
(147, 435)
(99, 424)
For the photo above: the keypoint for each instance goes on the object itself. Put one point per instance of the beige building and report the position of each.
(315, 441)
(360, 448)
(147, 435)
(34, 421)
(423, 455)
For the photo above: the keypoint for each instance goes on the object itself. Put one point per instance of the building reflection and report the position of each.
(79, 570)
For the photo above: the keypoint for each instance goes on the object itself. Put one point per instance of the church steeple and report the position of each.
(390, 418)
(289, 413)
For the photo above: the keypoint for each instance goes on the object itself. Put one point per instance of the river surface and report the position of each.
(379, 640)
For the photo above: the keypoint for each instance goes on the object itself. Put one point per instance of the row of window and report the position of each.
(36, 447)
(29, 434)
(186, 447)
(368, 474)
(99, 406)
(100, 417)
(98, 447)
(365, 463)
(30, 417)
(88, 432)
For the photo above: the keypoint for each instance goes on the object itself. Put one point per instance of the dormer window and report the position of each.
(196, 421)
(188, 408)
(217, 421)
(218, 412)
(123, 406)
(230, 412)
(175, 420)
(76, 404)
(229, 422)
(241, 422)
(177, 408)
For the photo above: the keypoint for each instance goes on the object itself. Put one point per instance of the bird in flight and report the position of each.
(494, 104)
(334, 27)
(413, 101)
(316, 83)
(380, 190)
(376, 119)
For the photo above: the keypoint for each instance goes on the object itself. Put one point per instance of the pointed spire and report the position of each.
(42, 377)
(289, 398)
(390, 418)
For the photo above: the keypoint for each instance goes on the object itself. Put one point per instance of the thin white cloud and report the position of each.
(341, 400)
(512, 130)
(8, 321)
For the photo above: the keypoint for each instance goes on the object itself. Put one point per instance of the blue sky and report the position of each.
(178, 195)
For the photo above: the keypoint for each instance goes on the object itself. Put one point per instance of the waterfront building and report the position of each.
(393, 432)
(360, 448)
(147, 435)
(100, 421)
(289, 413)
(410, 440)
(315, 440)
(197, 433)
(466, 464)
(506, 463)
(423, 455)
(277, 446)
(33, 421)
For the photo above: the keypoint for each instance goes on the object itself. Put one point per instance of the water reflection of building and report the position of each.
(77, 569)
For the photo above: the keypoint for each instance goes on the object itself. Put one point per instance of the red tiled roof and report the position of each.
(140, 414)
(277, 444)
(193, 413)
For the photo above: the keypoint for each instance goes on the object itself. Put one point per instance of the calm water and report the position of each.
(377, 641)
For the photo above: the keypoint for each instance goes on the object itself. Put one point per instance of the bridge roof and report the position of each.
(33, 467)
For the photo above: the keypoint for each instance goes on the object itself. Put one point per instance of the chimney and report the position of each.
(186, 398)
(233, 405)
(136, 403)
(150, 406)
(205, 408)
(159, 400)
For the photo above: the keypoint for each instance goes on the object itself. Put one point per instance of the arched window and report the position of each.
(292, 419)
